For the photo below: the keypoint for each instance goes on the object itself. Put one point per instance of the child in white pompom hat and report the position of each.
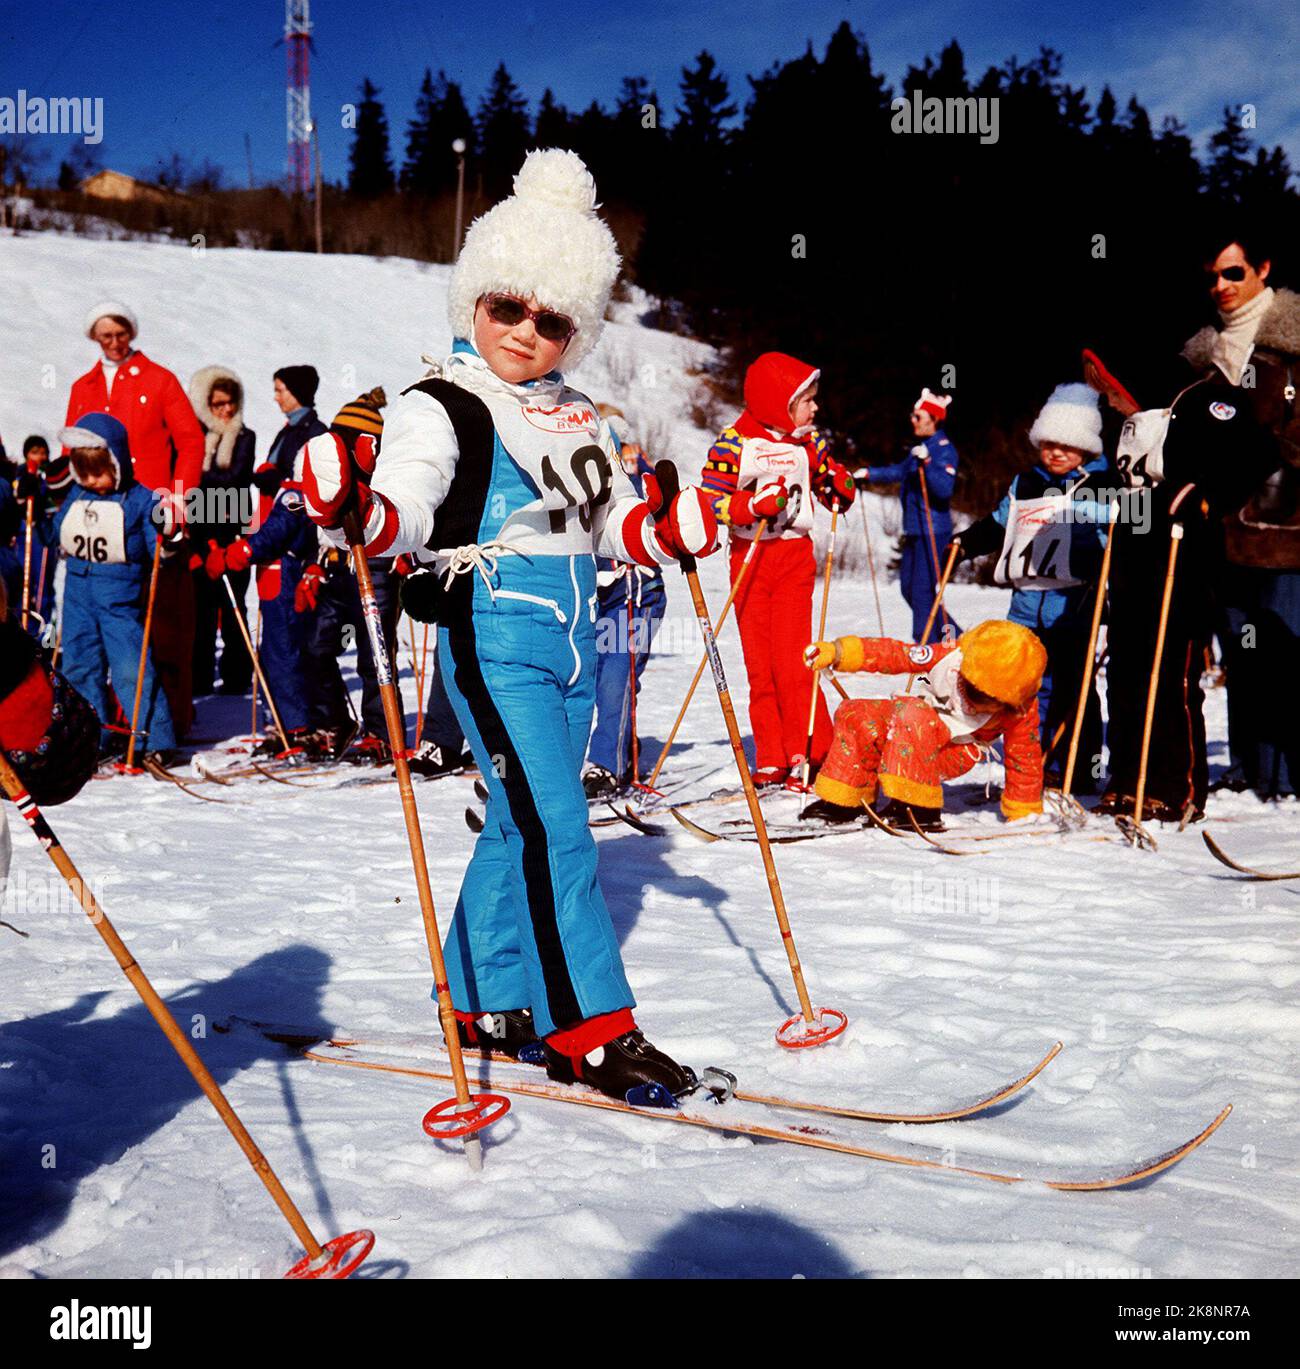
(505, 484)
(1049, 532)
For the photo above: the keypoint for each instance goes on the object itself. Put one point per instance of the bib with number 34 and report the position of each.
(95, 530)
(1140, 455)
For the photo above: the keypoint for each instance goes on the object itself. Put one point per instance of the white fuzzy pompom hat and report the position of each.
(1071, 417)
(545, 240)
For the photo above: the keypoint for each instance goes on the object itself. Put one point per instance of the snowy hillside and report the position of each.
(1171, 984)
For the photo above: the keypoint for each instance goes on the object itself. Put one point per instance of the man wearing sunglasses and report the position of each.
(1257, 348)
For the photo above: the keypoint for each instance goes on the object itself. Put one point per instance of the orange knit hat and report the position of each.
(1004, 661)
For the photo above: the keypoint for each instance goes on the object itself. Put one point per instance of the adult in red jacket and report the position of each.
(166, 442)
(767, 464)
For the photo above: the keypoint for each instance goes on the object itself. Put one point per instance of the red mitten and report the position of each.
(688, 528)
(239, 555)
(744, 508)
(835, 485)
(404, 565)
(306, 596)
(329, 480)
(214, 564)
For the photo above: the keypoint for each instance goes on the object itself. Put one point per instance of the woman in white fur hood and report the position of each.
(217, 395)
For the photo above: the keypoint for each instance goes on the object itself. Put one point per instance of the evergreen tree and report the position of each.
(370, 168)
(553, 125)
(503, 132)
(440, 118)
(700, 134)
(1229, 168)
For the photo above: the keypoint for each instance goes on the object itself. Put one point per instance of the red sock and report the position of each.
(579, 1040)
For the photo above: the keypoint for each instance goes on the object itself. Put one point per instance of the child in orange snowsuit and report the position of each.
(969, 693)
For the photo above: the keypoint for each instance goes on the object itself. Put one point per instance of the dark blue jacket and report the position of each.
(940, 478)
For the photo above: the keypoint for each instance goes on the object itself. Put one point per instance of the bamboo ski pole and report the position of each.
(934, 554)
(323, 1261)
(704, 658)
(934, 607)
(1136, 833)
(807, 1027)
(144, 653)
(871, 562)
(465, 1115)
(421, 681)
(631, 577)
(257, 633)
(27, 561)
(821, 633)
(1089, 659)
(258, 673)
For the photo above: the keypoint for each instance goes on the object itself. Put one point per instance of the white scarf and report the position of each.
(219, 438)
(1235, 341)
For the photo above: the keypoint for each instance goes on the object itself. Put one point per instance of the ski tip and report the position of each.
(694, 828)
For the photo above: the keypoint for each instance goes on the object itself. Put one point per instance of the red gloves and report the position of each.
(239, 555)
(331, 475)
(744, 508)
(306, 596)
(688, 528)
(214, 563)
(835, 485)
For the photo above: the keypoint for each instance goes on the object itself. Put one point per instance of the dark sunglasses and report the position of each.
(509, 310)
(1236, 274)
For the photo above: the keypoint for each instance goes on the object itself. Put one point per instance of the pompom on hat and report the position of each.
(1071, 417)
(545, 240)
(1004, 661)
(934, 405)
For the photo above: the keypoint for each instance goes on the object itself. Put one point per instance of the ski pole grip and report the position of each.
(670, 486)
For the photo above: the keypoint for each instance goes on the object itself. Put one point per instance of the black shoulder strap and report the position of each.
(460, 514)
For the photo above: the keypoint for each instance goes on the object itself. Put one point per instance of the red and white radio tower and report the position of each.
(297, 42)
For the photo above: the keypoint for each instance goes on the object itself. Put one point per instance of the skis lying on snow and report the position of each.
(161, 773)
(738, 1115)
(1220, 855)
(420, 1047)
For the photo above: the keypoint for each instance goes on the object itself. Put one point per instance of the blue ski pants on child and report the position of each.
(103, 630)
(531, 928)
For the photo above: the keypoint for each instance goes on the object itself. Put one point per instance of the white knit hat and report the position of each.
(111, 308)
(545, 240)
(1070, 417)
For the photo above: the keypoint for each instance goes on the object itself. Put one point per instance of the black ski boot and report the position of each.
(510, 1032)
(822, 810)
(900, 815)
(599, 783)
(432, 760)
(628, 1068)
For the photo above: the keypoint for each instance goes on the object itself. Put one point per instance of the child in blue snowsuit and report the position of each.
(27, 480)
(1050, 533)
(619, 643)
(504, 480)
(283, 547)
(107, 534)
(934, 460)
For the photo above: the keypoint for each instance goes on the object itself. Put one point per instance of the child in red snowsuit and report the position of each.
(969, 693)
(767, 464)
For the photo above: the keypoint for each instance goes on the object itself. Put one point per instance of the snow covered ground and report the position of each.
(1171, 984)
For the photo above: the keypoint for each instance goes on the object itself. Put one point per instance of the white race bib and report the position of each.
(95, 530)
(1140, 457)
(1036, 544)
(761, 458)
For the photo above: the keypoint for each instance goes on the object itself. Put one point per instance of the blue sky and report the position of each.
(196, 77)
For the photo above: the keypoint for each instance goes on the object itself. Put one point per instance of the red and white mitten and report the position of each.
(688, 528)
(744, 508)
(328, 480)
